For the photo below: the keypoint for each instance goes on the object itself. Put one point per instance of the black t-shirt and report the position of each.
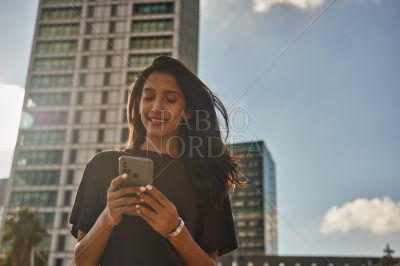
(133, 241)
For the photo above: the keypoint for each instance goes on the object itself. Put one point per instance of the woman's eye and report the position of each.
(147, 98)
(171, 101)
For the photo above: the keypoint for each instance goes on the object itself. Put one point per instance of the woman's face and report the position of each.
(162, 106)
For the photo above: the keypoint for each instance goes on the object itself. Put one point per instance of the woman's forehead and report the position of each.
(162, 82)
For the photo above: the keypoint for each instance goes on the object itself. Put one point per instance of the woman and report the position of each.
(172, 120)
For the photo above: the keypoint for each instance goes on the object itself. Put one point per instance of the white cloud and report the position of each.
(380, 216)
(262, 6)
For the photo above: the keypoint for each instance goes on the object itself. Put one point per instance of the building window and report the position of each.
(86, 45)
(51, 81)
(60, 13)
(78, 115)
(100, 136)
(42, 137)
(36, 177)
(46, 99)
(84, 61)
(67, 198)
(75, 136)
(58, 30)
(72, 156)
(124, 116)
(47, 219)
(59, 262)
(56, 47)
(89, 28)
(241, 224)
(113, 12)
(50, 118)
(61, 243)
(103, 114)
(140, 60)
(110, 44)
(151, 42)
(108, 60)
(152, 25)
(49, 64)
(125, 135)
(104, 97)
(70, 177)
(90, 12)
(111, 28)
(130, 78)
(82, 79)
(34, 199)
(126, 101)
(106, 79)
(64, 220)
(156, 8)
(79, 97)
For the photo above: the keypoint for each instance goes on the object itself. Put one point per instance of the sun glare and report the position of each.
(11, 98)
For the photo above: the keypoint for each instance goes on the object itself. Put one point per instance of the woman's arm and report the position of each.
(90, 246)
(165, 220)
(192, 253)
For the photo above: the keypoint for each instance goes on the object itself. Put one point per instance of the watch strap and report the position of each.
(176, 231)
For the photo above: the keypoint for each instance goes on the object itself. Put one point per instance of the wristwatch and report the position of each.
(176, 231)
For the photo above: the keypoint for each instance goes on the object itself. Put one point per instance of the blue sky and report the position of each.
(328, 109)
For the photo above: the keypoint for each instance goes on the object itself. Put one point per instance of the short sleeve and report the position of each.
(88, 204)
(216, 230)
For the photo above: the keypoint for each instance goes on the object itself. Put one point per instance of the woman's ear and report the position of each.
(188, 113)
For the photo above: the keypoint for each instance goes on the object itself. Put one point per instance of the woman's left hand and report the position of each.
(165, 219)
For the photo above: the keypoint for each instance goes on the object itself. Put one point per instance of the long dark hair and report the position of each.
(212, 169)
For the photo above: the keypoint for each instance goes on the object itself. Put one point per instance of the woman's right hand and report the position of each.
(117, 201)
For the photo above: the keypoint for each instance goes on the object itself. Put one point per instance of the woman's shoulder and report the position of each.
(105, 156)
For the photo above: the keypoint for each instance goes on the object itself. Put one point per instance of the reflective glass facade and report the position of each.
(254, 207)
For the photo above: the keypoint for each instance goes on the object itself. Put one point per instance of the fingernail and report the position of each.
(137, 206)
(141, 200)
(138, 211)
(142, 189)
(124, 175)
(149, 187)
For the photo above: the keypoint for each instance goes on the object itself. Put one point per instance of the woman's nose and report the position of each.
(157, 104)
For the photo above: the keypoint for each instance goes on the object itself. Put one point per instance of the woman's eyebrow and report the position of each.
(172, 91)
(167, 91)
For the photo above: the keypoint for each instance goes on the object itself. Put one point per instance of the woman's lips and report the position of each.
(157, 120)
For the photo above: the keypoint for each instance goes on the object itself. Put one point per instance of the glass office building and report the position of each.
(85, 55)
(254, 208)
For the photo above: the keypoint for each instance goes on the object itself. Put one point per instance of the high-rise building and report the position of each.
(85, 54)
(254, 208)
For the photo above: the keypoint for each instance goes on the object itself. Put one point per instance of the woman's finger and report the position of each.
(152, 202)
(117, 181)
(156, 194)
(126, 191)
(147, 214)
(126, 209)
(124, 201)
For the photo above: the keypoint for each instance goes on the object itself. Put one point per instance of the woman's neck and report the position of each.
(160, 145)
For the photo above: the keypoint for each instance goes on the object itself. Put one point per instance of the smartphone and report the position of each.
(139, 170)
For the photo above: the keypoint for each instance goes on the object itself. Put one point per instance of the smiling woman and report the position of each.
(11, 98)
